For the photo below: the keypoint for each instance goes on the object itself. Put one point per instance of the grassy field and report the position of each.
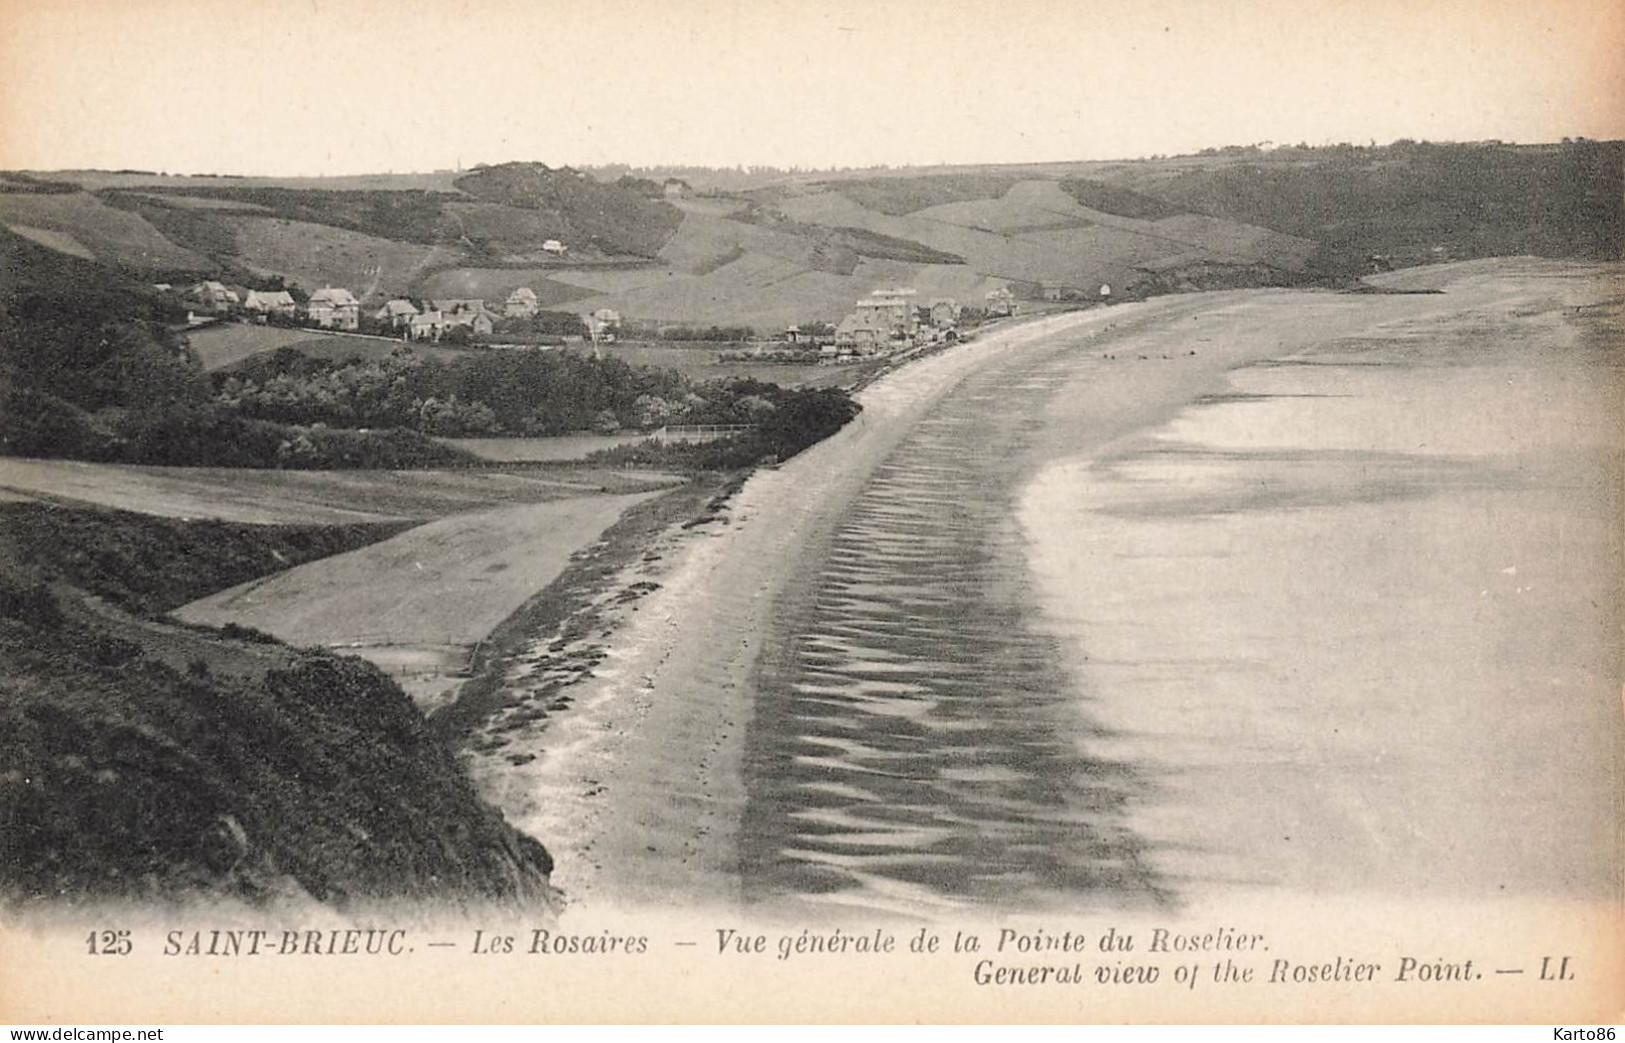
(96, 180)
(894, 195)
(702, 364)
(701, 241)
(529, 450)
(228, 343)
(306, 497)
(449, 581)
(62, 242)
(416, 603)
(315, 255)
(494, 285)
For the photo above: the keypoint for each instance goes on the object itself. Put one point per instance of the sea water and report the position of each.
(1348, 622)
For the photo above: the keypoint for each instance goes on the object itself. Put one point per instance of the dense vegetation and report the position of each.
(127, 776)
(890, 247)
(581, 211)
(707, 334)
(409, 215)
(797, 419)
(27, 184)
(1114, 199)
(552, 324)
(1404, 200)
(150, 565)
(195, 229)
(500, 392)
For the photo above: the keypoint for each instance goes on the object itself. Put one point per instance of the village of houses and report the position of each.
(884, 322)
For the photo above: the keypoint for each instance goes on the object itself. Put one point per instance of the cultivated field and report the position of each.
(416, 603)
(96, 180)
(494, 284)
(61, 242)
(315, 255)
(305, 497)
(526, 450)
(109, 235)
(228, 343)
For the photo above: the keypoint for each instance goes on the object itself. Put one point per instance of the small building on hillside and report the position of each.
(426, 325)
(889, 310)
(603, 324)
(334, 308)
(1000, 302)
(862, 336)
(814, 335)
(1058, 291)
(212, 297)
(466, 311)
(522, 304)
(553, 246)
(675, 188)
(266, 303)
(945, 313)
(398, 313)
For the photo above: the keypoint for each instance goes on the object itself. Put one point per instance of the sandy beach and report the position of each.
(639, 789)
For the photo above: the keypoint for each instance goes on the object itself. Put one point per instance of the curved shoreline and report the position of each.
(639, 790)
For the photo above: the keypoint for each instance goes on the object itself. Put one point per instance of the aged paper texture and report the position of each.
(1211, 636)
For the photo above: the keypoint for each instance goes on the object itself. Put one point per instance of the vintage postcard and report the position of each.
(812, 511)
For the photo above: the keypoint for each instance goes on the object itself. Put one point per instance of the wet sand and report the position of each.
(639, 790)
(1357, 620)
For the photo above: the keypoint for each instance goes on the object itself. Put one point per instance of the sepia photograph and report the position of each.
(812, 511)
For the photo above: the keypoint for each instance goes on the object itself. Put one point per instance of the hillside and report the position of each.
(804, 247)
(147, 761)
(1410, 202)
(572, 207)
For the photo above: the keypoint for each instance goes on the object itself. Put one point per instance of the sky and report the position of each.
(324, 87)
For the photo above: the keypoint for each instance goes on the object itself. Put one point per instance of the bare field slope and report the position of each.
(447, 582)
(416, 604)
(107, 234)
(315, 255)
